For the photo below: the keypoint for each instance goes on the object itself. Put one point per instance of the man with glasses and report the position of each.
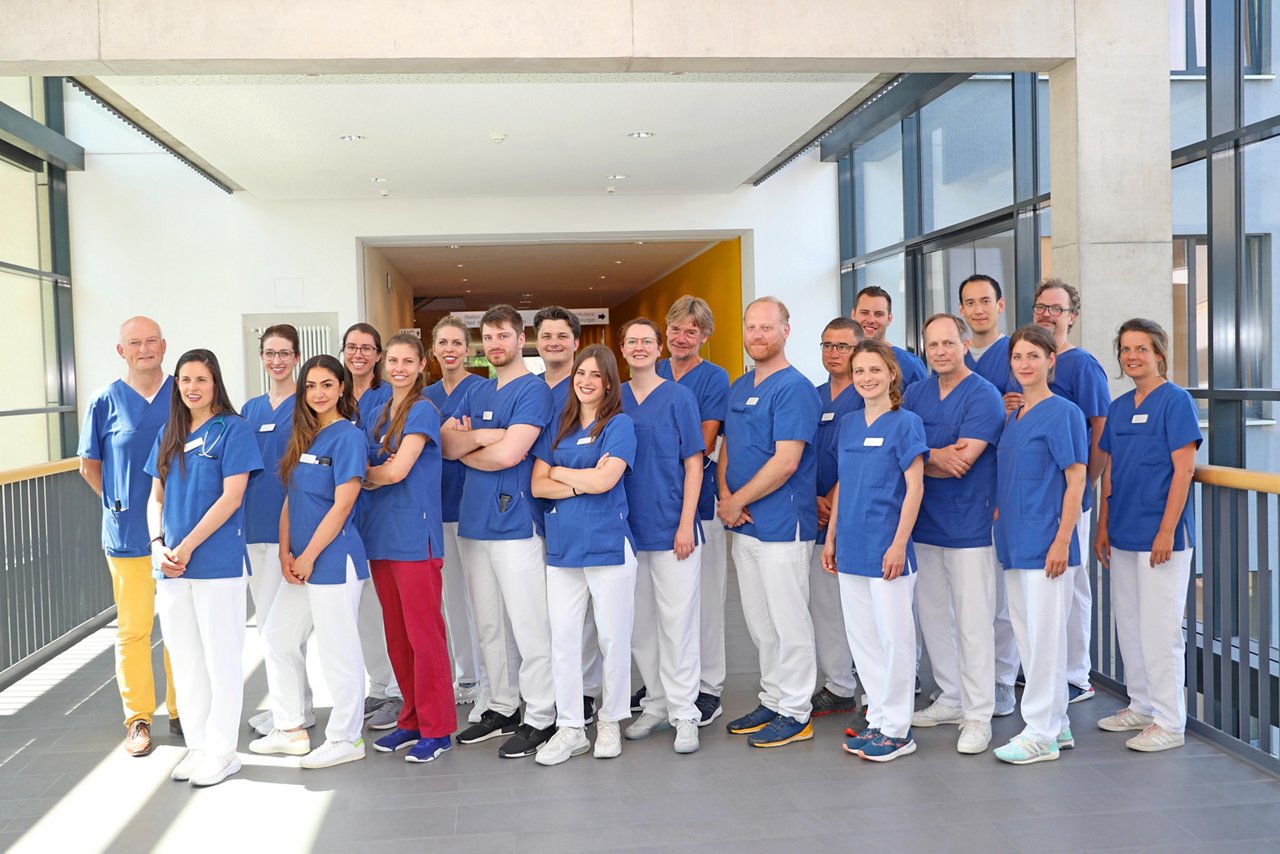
(1079, 378)
(873, 310)
(120, 428)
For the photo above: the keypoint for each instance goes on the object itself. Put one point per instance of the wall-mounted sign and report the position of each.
(586, 316)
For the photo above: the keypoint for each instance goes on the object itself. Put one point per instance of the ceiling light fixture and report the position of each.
(465, 280)
(378, 180)
(351, 137)
(602, 277)
(640, 134)
(639, 243)
(617, 177)
(454, 246)
(459, 266)
(617, 262)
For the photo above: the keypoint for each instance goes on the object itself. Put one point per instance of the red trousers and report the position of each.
(409, 591)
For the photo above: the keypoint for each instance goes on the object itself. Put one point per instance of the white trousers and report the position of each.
(956, 601)
(665, 639)
(592, 660)
(1079, 620)
(373, 644)
(464, 648)
(882, 635)
(264, 585)
(714, 582)
(202, 621)
(773, 579)
(333, 610)
(508, 584)
(1038, 606)
(1007, 662)
(1149, 604)
(835, 661)
(611, 591)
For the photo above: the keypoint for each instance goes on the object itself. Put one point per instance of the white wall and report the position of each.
(149, 236)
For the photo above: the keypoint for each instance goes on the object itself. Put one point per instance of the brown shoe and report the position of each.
(137, 741)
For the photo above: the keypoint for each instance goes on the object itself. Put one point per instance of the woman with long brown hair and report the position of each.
(579, 466)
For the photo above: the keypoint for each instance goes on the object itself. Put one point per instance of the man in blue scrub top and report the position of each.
(963, 416)
(982, 307)
(119, 429)
(768, 480)
(873, 309)
(502, 552)
(1079, 378)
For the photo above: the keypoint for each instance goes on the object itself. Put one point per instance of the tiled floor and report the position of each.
(65, 786)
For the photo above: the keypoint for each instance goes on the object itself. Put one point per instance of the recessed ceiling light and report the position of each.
(459, 265)
(591, 287)
(468, 290)
(602, 277)
(466, 280)
(351, 137)
(617, 262)
(378, 180)
(454, 246)
(640, 134)
(617, 177)
(639, 243)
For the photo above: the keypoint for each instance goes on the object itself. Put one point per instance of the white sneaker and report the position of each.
(463, 694)
(645, 726)
(333, 753)
(609, 739)
(261, 719)
(308, 721)
(687, 737)
(568, 741)
(975, 736)
(212, 770)
(1124, 720)
(1155, 738)
(278, 741)
(182, 771)
(936, 714)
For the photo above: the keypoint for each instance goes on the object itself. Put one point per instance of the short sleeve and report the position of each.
(534, 406)
(424, 419)
(91, 436)
(242, 454)
(1093, 396)
(911, 442)
(983, 416)
(1068, 439)
(1105, 440)
(796, 410)
(688, 426)
(714, 405)
(542, 447)
(1182, 422)
(618, 439)
(350, 457)
(153, 459)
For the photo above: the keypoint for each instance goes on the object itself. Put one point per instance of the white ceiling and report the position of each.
(429, 135)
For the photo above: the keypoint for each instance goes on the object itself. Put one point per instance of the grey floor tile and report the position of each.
(1226, 822)
(1102, 831)
(1172, 769)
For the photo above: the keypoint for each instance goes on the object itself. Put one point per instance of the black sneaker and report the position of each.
(826, 702)
(640, 695)
(492, 724)
(708, 707)
(526, 741)
(175, 728)
(588, 711)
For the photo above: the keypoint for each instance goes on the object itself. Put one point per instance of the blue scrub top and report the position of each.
(264, 498)
(668, 432)
(824, 442)
(484, 513)
(1140, 441)
(222, 447)
(912, 368)
(1079, 378)
(785, 406)
(402, 520)
(120, 429)
(873, 459)
(1033, 455)
(372, 401)
(453, 472)
(589, 530)
(956, 512)
(994, 366)
(559, 394)
(337, 455)
(710, 385)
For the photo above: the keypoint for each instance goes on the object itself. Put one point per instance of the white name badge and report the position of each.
(267, 428)
(487, 415)
(873, 441)
(1139, 419)
(586, 440)
(193, 444)
(310, 459)
(828, 416)
(752, 401)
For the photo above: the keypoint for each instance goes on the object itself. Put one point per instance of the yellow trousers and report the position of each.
(135, 594)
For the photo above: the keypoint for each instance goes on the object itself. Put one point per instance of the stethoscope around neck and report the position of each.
(206, 447)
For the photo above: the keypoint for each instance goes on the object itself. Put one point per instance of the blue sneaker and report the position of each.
(885, 748)
(1076, 694)
(428, 748)
(1023, 751)
(397, 739)
(780, 731)
(854, 743)
(754, 721)
(708, 706)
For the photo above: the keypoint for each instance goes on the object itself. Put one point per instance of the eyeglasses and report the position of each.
(645, 342)
(1051, 310)
(838, 346)
(362, 349)
(272, 355)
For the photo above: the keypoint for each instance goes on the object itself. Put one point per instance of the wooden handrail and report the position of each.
(1253, 481)
(41, 470)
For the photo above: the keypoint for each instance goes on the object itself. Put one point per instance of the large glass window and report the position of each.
(966, 152)
(1190, 331)
(1259, 315)
(1188, 54)
(1260, 90)
(877, 191)
(890, 274)
(946, 268)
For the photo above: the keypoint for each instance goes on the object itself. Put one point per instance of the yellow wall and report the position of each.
(716, 276)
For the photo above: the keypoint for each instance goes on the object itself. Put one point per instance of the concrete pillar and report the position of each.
(1109, 166)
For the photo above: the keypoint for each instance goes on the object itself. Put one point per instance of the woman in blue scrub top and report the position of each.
(663, 489)
(873, 509)
(1146, 533)
(580, 462)
(1040, 477)
(362, 356)
(403, 536)
(322, 558)
(270, 416)
(200, 466)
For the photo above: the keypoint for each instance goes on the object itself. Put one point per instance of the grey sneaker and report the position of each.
(645, 725)
(1006, 701)
(386, 715)
(372, 704)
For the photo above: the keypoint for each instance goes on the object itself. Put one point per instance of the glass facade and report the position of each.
(966, 152)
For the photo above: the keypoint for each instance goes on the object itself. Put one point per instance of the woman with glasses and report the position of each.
(270, 416)
(362, 356)
(200, 466)
(1146, 533)
(662, 498)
